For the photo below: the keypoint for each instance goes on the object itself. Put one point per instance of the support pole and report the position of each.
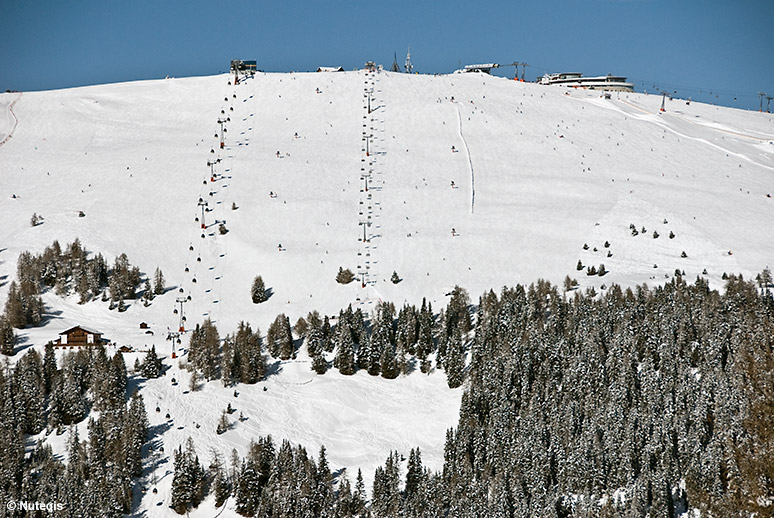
(203, 205)
(181, 301)
(221, 121)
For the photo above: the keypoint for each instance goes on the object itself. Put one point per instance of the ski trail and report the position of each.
(657, 120)
(470, 162)
(10, 114)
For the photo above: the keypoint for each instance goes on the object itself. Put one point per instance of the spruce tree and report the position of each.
(389, 362)
(134, 434)
(14, 311)
(147, 293)
(454, 361)
(151, 365)
(159, 283)
(258, 291)
(279, 338)
(7, 336)
(345, 353)
(345, 276)
(319, 364)
(204, 349)
(250, 352)
(221, 485)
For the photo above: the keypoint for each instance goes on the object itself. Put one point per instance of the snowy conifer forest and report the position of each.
(372, 294)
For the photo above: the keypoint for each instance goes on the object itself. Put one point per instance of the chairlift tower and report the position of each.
(211, 165)
(175, 339)
(222, 121)
(364, 224)
(203, 205)
(762, 95)
(523, 70)
(181, 301)
(516, 65)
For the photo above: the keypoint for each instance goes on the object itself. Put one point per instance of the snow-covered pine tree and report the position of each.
(50, 371)
(415, 477)
(454, 361)
(151, 365)
(159, 283)
(229, 363)
(183, 482)
(319, 364)
(251, 357)
(221, 485)
(389, 362)
(345, 352)
(29, 392)
(248, 487)
(7, 336)
(279, 338)
(204, 349)
(345, 276)
(223, 424)
(258, 291)
(322, 494)
(425, 336)
(147, 292)
(135, 431)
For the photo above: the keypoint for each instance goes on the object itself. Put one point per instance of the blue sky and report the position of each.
(690, 46)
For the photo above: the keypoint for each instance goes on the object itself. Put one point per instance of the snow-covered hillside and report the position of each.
(472, 180)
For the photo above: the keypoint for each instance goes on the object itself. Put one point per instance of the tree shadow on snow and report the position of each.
(48, 316)
(273, 369)
(21, 344)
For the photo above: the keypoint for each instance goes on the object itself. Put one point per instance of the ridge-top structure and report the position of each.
(395, 67)
(243, 68)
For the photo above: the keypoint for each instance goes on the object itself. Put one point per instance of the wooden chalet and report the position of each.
(79, 336)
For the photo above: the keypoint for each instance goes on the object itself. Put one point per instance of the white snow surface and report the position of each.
(538, 171)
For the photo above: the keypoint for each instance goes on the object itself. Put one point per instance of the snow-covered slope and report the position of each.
(537, 172)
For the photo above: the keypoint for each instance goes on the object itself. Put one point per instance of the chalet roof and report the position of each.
(88, 330)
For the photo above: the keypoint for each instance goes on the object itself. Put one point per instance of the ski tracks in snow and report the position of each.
(470, 161)
(9, 114)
